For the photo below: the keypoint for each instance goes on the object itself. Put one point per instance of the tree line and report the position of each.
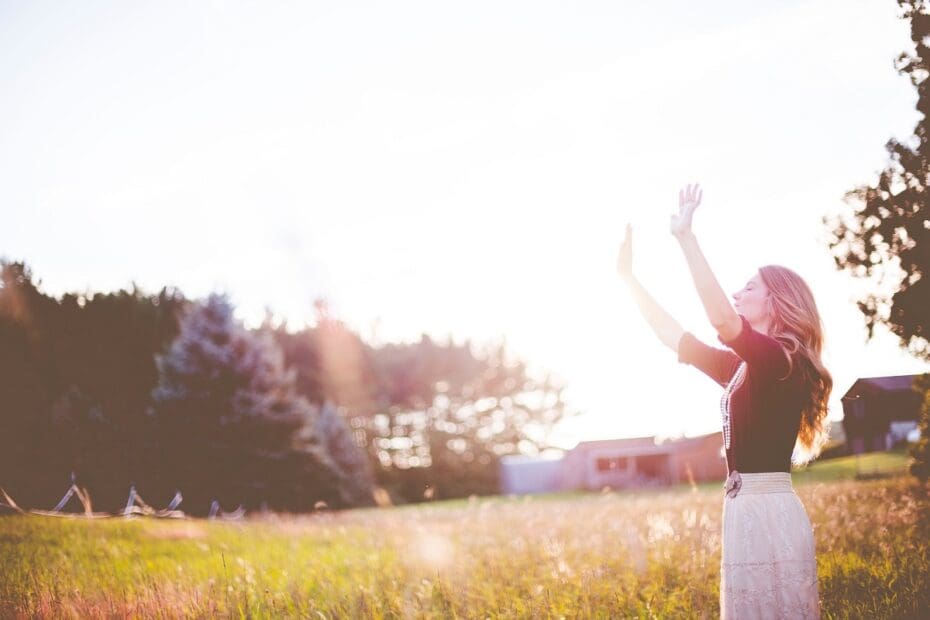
(167, 393)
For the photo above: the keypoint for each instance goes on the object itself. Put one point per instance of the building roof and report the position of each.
(629, 446)
(519, 459)
(870, 385)
(685, 441)
(643, 445)
(625, 442)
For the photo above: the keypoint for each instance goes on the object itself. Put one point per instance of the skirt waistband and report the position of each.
(764, 482)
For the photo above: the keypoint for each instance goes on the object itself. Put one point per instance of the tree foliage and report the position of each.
(172, 394)
(230, 420)
(75, 375)
(434, 416)
(886, 237)
(920, 451)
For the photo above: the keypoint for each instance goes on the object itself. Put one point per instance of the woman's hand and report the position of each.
(688, 200)
(625, 258)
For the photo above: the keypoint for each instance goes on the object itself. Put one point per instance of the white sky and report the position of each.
(455, 168)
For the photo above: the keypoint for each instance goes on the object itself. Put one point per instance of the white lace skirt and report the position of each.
(767, 567)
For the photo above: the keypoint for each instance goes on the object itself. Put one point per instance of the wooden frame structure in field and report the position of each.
(135, 506)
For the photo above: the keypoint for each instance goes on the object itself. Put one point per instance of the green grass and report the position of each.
(872, 464)
(630, 554)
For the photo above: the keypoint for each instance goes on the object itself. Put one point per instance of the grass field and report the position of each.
(631, 554)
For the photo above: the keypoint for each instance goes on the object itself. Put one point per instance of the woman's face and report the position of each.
(750, 302)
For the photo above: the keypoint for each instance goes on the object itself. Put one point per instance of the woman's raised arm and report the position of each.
(665, 327)
(721, 313)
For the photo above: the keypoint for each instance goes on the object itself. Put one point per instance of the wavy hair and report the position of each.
(796, 323)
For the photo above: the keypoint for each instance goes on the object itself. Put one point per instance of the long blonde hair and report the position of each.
(796, 323)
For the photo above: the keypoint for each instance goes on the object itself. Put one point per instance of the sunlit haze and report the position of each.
(462, 169)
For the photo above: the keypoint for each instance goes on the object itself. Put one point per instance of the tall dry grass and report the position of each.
(641, 555)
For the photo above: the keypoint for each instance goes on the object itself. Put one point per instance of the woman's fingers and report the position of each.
(690, 196)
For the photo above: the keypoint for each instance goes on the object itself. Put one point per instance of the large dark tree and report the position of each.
(231, 424)
(886, 236)
(26, 394)
(75, 377)
(103, 348)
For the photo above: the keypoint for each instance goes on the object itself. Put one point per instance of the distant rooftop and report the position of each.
(640, 442)
(625, 442)
(865, 385)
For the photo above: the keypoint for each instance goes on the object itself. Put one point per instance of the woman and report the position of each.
(773, 405)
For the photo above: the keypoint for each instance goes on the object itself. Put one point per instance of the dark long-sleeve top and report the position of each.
(765, 408)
